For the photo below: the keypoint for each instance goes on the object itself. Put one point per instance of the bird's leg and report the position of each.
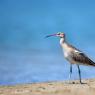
(70, 72)
(79, 72)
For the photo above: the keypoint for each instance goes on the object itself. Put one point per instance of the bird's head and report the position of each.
(59, 34)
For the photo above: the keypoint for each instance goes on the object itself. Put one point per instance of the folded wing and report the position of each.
(80, 57)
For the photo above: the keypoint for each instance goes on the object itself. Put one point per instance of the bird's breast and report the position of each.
(66, 54)
(68, 57)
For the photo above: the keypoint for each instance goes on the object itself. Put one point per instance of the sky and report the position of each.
(25, 23)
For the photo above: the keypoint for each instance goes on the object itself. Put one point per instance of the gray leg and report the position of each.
(79, 73)
(70, 71)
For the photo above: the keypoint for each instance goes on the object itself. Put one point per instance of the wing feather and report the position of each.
(82, 58)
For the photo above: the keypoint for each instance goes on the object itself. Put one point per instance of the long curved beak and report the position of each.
(50, 35)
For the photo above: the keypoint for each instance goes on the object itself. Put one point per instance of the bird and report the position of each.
(73, 55)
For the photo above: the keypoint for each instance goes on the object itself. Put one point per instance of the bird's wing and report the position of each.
(80, 57)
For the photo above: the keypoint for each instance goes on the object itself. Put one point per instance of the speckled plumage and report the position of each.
(74, 55)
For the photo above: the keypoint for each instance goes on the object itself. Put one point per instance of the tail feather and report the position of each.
(92, 64)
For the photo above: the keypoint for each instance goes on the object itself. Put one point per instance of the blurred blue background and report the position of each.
(25, 56)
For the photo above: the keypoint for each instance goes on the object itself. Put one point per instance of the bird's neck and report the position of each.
(63, 43)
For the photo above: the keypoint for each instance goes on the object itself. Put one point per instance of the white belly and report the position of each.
(66, 54)
(69, 58)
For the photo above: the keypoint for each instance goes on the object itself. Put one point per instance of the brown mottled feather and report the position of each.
(82, 58)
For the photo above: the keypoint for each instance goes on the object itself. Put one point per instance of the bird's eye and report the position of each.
(58, 33)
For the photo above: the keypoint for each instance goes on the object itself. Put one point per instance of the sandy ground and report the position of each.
(51, 88)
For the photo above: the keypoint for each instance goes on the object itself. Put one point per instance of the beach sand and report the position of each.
(51, 88)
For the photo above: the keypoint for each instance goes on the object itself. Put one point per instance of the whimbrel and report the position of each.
(72, 54)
